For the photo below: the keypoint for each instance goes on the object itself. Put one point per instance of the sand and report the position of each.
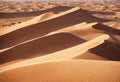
(67, 70)
(61, 44)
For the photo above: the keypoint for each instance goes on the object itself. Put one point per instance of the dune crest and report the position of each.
(47, 15)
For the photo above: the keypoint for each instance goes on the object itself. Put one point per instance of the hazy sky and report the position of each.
(56, 0)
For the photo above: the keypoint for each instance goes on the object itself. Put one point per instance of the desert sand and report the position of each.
(66, 71)
(59, 42)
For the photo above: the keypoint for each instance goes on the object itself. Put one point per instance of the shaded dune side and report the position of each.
(40, 29)
(24, 14)
(65, 71)
(107, 29)
(113, 24)
(112, 32)
(40, 47)
(105, 51)
(108, 50)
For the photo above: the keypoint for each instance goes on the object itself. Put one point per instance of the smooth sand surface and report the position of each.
(69, 70)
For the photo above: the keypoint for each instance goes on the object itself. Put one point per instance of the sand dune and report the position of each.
(35, 13)
(60, 55)
(113, 24)
(73, 17)
(70, 71)
(35, 20)
(83, 30)
(32, 21)
(6, 30)
(108, 50)
(73, 27)
(39, 47)
(86, 32)
(114, 33)
(81, 27)
(71, 10)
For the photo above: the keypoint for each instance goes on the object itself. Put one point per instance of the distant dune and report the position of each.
(22, 14)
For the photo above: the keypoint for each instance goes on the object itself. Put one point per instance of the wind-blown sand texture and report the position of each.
(61, 44)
